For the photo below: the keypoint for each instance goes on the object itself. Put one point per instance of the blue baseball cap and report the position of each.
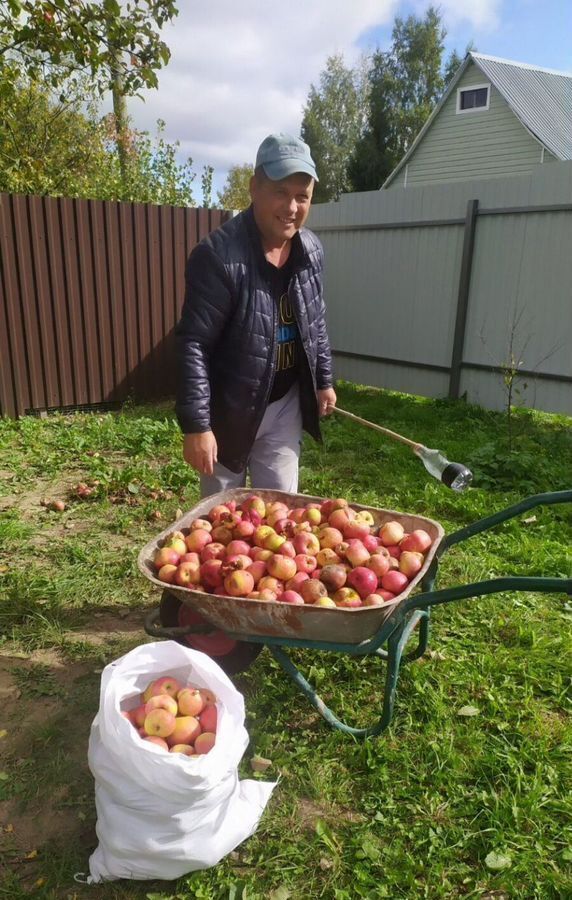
(281, 155)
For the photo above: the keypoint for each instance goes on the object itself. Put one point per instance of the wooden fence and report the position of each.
(90, 292)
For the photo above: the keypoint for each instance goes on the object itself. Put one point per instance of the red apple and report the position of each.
(197, 539)
(166, 556)
(185, 731)
(394, 581)
(417, 540)
(164, 685)
(410, 563)
(205, 742)
(305, 562)
(208, 718)
(291, 597)
(363, 580)
(167, 574)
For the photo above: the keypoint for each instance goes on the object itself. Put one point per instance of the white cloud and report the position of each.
(239, 71)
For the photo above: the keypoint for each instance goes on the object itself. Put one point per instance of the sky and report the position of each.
(239, 71)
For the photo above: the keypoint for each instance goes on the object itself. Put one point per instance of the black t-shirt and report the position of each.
(287, 349)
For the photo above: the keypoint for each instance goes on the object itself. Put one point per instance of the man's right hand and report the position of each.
(200, 451)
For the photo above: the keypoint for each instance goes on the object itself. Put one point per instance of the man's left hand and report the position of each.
(326, 401)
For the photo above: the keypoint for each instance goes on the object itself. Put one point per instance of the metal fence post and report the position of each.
(463, 298)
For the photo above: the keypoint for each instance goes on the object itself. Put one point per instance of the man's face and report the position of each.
(281, 207)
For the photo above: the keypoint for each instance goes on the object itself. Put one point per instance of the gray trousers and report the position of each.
(273, 461)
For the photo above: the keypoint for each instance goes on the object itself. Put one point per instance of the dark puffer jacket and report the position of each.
(227, 336)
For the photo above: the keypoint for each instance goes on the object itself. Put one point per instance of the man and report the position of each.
(253, 357)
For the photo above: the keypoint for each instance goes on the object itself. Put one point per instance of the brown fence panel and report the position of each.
(90, 293)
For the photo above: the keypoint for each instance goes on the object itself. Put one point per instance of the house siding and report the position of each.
(485, 144)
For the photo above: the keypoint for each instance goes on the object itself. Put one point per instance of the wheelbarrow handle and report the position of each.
(548, 499)
(481, 588)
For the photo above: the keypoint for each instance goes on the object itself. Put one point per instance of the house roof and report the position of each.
(540, 98)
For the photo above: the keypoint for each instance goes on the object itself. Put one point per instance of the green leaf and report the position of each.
(132, 488)
(567, 855)
(497, 861)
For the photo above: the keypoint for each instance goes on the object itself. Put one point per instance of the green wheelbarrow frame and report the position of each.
(413, 611)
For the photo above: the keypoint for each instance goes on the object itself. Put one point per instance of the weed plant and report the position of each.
(467, 794)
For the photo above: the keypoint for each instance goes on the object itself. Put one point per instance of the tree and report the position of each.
(47, 146)
(405, 84)
(62, 148)
(115, 47)
(153, 173)
(236, 189)
(334, 118)
(58, 39)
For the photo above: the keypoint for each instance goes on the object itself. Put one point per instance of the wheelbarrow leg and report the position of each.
(395, 645)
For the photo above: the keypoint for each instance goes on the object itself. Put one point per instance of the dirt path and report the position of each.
(47, 707)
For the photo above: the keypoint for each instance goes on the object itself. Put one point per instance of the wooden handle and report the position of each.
(387, 431)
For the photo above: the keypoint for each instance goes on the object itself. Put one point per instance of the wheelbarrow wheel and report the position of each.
(231, 655)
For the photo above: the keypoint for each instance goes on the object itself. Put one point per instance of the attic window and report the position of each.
(473, 99)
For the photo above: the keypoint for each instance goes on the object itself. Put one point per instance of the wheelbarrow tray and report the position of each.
(241, 617)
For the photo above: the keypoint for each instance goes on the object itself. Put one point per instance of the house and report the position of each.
(496, 118)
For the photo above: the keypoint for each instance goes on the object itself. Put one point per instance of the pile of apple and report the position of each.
(324, 554)
(178, 718)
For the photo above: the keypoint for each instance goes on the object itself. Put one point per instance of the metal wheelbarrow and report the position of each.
(234, 630)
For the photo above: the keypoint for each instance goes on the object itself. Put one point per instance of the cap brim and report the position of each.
(283, 168)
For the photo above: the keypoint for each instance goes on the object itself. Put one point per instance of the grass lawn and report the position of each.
(439, 806)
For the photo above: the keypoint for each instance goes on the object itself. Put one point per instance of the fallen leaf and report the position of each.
(497, 861)
(178, 513)
(529, 520)
(281, 893)
(10, 828)
(260, 764)
(39, 882)
(31, 855)
(3, 733)
(325, 864)
(4, 776)
(468, 711)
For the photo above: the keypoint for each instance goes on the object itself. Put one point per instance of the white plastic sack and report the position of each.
(161, 815)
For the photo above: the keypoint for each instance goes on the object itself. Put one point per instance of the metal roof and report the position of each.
(540, 98)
